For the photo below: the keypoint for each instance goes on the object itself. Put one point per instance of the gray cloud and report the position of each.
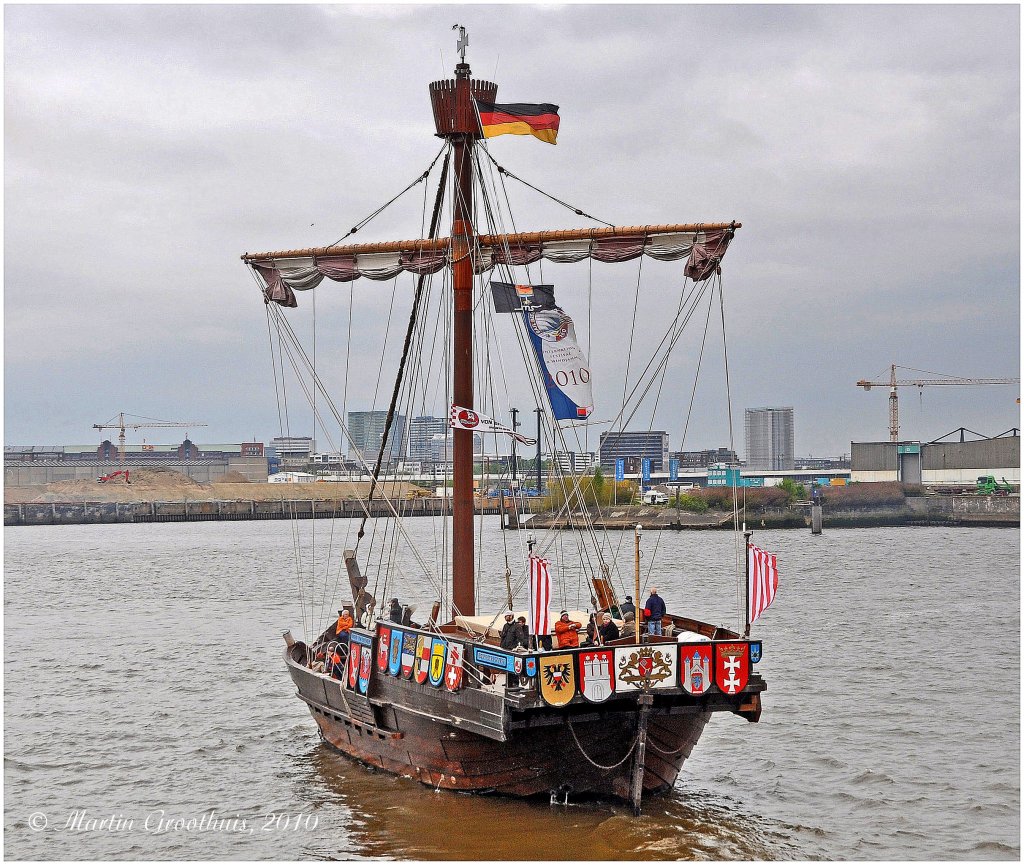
(872, 153)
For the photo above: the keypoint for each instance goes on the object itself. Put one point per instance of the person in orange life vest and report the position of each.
(344, 625)
(567, 632)
(335, 664)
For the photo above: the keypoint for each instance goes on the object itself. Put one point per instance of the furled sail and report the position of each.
(284, 273)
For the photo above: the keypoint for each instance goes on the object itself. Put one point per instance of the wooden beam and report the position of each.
(489, 240)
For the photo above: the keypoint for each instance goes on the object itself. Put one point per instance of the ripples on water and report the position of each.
(143, 674)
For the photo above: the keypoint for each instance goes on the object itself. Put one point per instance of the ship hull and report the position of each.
(471, 742)
(532, 763)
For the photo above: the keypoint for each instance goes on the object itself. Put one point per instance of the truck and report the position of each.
(655, 497)
(988, 486)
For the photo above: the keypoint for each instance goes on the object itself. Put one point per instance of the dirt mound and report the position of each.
(233, 478)
(152, 484)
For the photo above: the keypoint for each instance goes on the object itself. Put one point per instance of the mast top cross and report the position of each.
(463, 42)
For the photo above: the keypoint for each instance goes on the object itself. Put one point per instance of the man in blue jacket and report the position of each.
(654, 609)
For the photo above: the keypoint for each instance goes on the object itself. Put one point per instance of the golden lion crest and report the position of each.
(645, 667)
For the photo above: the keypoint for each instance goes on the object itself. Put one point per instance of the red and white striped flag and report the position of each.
(764, 580)
(539, 615)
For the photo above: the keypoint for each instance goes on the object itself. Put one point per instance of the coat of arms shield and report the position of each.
(365, 662)
(453, 669)
(395, 655)
(421, 668)
(408, 653)
(695, 667)
(437, 652)
(383, 646)
(732, 666)
(597, 674)
(557, 679)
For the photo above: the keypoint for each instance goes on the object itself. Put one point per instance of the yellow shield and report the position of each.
(557, 676)
(437, 653)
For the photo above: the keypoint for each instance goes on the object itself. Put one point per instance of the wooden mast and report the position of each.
(456, 119)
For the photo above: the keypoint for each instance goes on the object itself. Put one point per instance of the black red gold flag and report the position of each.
(518, 118)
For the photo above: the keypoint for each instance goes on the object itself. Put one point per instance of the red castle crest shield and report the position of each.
(597, 675)
(732, 666)
(695, 667)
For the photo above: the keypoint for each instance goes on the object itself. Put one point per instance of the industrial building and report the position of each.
(44, 464)
(769, 438)
(937, 463)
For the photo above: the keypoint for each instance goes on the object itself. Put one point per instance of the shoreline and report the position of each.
(980, 511)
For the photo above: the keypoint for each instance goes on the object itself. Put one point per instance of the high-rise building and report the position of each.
(769, 438)
(652, 444)
(366, 431)
(421, 433)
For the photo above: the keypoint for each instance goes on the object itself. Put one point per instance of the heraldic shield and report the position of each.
(597, 675)
(557, 679)
(436, 661)
(365, 663)
(408, 653)
(645, 667)
(421, 668)
(732, 666)
(383, 646)
(453, 669)
(695, 667)
(353, 666)
(395, 658)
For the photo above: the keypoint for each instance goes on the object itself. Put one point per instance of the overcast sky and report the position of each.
(871, 153)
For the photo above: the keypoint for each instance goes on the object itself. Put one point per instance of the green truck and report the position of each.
(988, 486)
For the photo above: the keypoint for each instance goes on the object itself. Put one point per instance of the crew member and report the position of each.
(567, 632)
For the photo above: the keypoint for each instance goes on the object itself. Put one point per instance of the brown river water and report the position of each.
(148, 714)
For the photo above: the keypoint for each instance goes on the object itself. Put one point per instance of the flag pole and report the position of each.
(746, 571)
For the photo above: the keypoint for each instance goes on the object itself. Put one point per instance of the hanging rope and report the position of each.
(506, 173)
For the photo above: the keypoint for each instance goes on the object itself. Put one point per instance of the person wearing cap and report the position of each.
(567, 632)
(628, 626)
(608, 629)
(509, 633)
(395, 611)
(654, 609)
(628, 607)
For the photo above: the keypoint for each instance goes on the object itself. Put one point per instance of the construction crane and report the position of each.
(118, 423)
(893, 383)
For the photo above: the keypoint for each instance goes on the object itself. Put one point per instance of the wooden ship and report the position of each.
(443, 703)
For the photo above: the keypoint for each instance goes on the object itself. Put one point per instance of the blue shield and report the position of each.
(755, 651)
(531, 667)
(395, 658)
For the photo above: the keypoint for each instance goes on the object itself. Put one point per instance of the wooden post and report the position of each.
(636, 579)
(746, 581)
(636, 790)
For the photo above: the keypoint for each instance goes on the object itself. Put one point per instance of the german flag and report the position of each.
(517, 118)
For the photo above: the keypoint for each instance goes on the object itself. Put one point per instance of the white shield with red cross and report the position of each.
(453, 669)
(732, 666)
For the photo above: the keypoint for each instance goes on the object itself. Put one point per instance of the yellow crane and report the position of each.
(893, 383)
(118, 423)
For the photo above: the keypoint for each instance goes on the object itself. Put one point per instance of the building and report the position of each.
(574, 462)
(636, 444)
(769, 438)
(421, 433)
(34, 464)
(293, 452)
(442, 446)
(690, 460)
(936, 463)
(366, 435)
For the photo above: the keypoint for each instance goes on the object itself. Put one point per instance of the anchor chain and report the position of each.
(594, 763)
